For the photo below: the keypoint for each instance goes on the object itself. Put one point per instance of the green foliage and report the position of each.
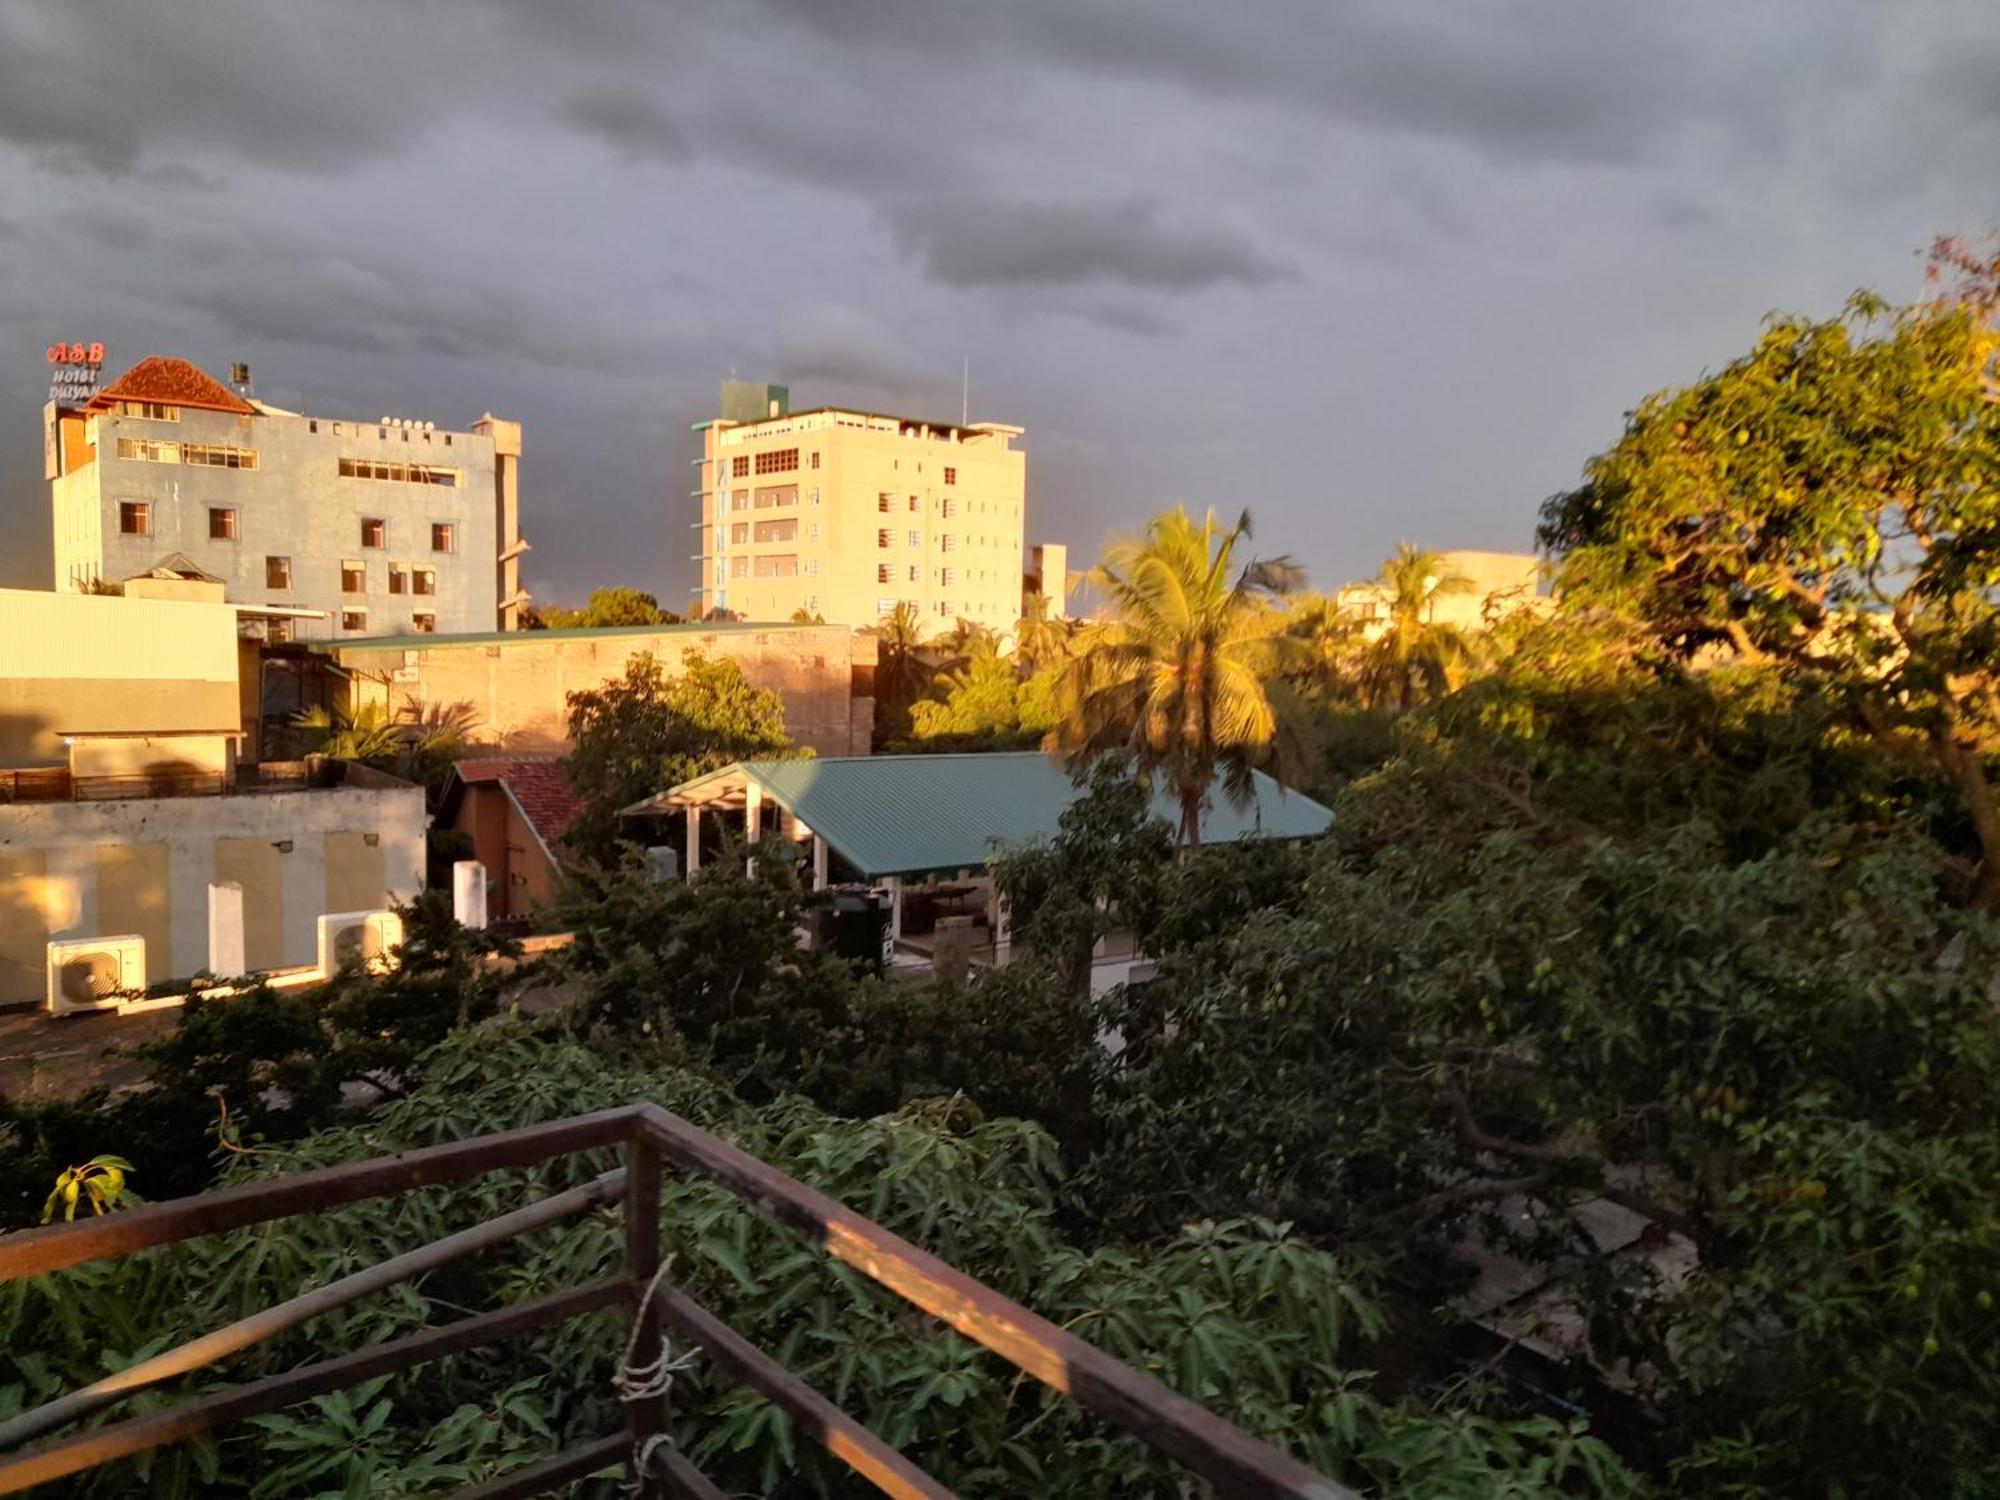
(987, 705)
(604, 608)
(1827, 503)
(1242, 1315)
(644, 733)
(417, 742)
(100, 1182)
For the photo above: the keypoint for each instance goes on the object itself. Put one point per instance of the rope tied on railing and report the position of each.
(650, 1381)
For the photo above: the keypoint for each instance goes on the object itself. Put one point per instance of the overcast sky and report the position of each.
(1374, 271)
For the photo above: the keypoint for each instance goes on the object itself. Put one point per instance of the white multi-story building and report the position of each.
(341, 528)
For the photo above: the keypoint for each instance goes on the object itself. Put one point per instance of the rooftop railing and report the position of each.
(1233, 1463)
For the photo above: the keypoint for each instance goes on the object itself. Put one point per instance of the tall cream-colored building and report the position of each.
(845, 514)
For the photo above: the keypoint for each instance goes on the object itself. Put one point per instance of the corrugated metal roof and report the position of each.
(900, 814)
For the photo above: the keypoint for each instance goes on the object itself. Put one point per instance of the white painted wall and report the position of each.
(69, 833)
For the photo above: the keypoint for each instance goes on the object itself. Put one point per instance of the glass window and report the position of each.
(423, 581)
(885, 538)
(444, 537)
(221, 524)
(950, 474)
(424, 624)
(882, 572)
(354, 619)
(353, 578)
(277, 572)
(916, 539)
(374, 531)
(135, 518)
(884, 502)
(399, 579)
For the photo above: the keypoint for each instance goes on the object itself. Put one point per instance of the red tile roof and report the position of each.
(537, 786)
(159, 377)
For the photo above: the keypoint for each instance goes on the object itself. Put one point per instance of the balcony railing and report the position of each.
(1232, 1462)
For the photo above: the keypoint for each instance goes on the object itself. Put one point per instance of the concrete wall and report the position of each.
(100, 869)
(518, 684)
(296, 504)
(82, 663)
(847, 462)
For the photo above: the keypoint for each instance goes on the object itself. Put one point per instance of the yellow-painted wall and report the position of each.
(134, 895)
(256, 865)
(355, 877)
(24, 923)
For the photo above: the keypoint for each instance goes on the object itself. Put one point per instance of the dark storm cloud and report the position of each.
(1138, 240)
(627, 119)
(1264, 252)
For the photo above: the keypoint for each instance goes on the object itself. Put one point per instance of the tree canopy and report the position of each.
(605, 607)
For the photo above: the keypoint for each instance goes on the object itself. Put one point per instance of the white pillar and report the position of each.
(694, 837)
(895, 884)
(225, 930)
(819, 862)
(468, 893)
(1003, 936)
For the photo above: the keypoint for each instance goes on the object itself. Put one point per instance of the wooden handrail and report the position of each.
(1236, 1464)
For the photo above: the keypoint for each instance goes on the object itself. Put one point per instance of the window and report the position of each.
(776, 531)
(218, 456)
(946, 577)
(277, 572)
(739, 567)
(813, 568)
(149, 451)
(949, 507)
(812, 606)
(135, 518)
(336, 429)
(444, 537)
(815, 494)
(423, 580)
(885, 502)
(916, 539)
(368, 468)
(915, 505)
(950, 474)
(740, 500)
(221, 524)
(739, 534)
(424, 624)
(884, 608)
(353, 578)
(780, 565)
(774, 495)
(944, 542)
(399, 579)
(374, 532)
(885, 538)
(778, 461)
(812, 532)
(815, 464)
(313, 426)
(354, 619)
(739, 466)
(916, 573)
(883, 572)
(151, 411)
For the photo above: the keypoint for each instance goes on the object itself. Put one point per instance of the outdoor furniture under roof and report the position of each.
(901, 815)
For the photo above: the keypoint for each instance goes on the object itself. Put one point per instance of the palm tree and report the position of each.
(1415, 659)
(1175, 674)
(900, 672)
(1039, 636)
(1330, 639)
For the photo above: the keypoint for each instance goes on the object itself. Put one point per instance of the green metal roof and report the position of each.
(433, 640)
(901, 814)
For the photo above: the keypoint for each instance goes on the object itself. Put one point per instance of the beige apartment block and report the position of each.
(516, 684)
(1502, 582)
(122, 798)
(845, 514)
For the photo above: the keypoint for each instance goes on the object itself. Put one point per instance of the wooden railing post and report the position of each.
(644, 1419)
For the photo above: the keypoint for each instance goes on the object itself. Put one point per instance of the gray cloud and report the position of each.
(1195, 251)
(1137, 239)
(628, 119)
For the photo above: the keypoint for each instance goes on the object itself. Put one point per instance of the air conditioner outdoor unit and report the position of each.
(87, 974)
(370, 936)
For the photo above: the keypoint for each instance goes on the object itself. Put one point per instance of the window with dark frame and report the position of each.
(135, 518)
(277, 572)
(354, 619)
(221, 523)
(353, 578)
(374, 531)
(444, 536)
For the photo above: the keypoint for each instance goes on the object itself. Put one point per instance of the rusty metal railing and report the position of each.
(1233, 1462)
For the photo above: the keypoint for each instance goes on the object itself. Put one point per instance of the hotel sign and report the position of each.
(74, 372)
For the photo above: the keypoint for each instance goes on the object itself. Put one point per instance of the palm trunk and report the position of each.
(1191, 800)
